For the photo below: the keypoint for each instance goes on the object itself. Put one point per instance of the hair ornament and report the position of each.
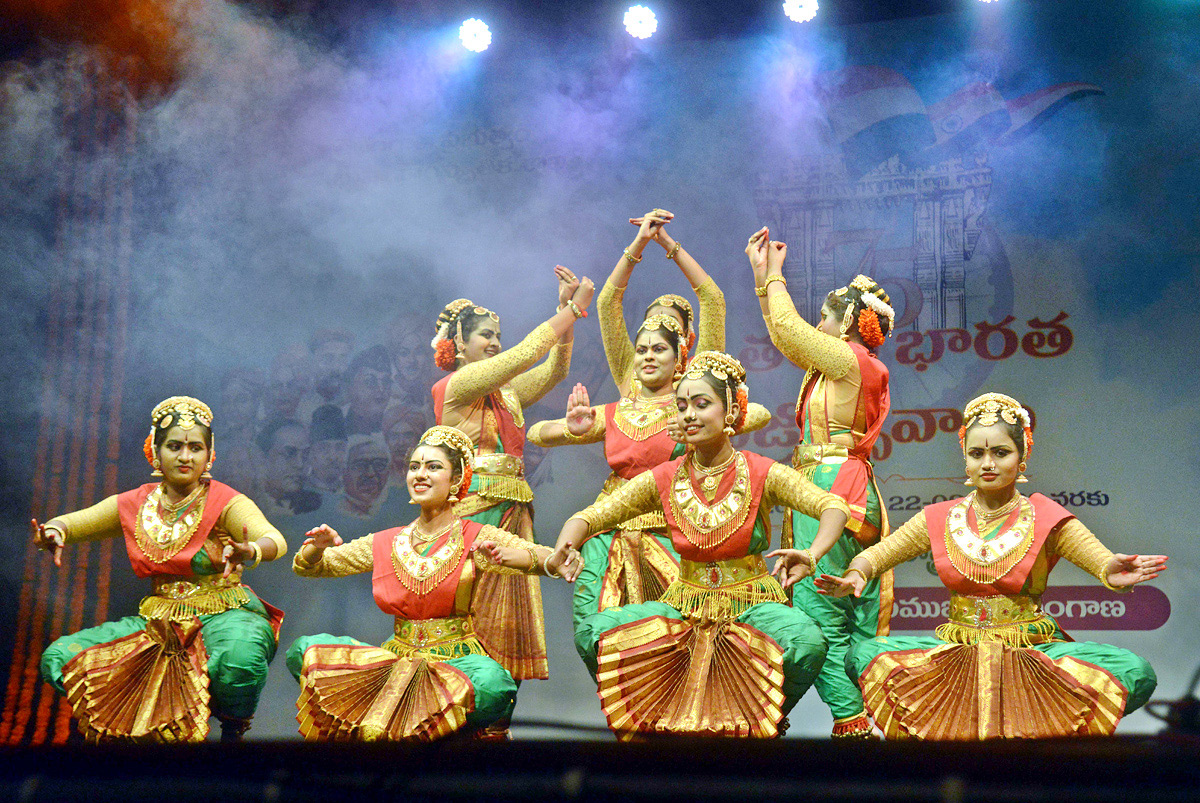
(661, 321)
(993, 407)
(672, 300)
(183, 411)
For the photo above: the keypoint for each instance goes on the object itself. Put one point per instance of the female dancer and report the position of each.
(620, 352)
(720, 653)
(201, 641)
(841, 410)
(1000, 667)
(434, 677)
(634, 562)
(484, 396)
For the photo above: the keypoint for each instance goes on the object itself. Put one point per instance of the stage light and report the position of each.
(640, 22)
(800, 10)
(475, 35)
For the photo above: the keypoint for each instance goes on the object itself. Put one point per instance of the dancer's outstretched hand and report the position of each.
(1126, 571)
(49, 541)
(792, 566)
(236, 553)
(567, 284)
(580, 415)
(322, 537)
(756, 250)
(832, 586)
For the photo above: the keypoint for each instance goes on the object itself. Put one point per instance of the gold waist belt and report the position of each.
(503, 465)
(501, 477)
(722, 590)
(180, 599)
(718, 573)
(1015, 620)
(810, 454)
(423, 633)
(646, 521)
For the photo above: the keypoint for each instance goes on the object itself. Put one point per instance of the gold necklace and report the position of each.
(984, 515)
(712, 474)
(420, 535)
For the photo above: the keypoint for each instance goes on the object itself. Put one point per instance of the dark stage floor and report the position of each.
(1116, 769)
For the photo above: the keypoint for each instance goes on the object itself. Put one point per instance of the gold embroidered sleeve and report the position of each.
(476, 380)
(537, 382)
(243, 513)
(618, 347)
(803, 344)
(355, 557)
(550, 433)
(507, 539)
(93, 523)
(635, 498)
(788, 487)
(1075, 542)
(904, 543)
(757, 417)
(710, 317)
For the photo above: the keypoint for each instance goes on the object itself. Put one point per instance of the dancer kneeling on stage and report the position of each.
(201, 642)
(1000, 667)
(720, 653)
(433, 677)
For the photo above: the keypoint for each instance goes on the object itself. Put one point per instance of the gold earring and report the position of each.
(1021, 475)
(157, 472)
(454, 491)
(729, 430)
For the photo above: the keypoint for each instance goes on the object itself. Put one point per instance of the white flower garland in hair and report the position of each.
(1023, 414)
(876, 303)
(442, 334)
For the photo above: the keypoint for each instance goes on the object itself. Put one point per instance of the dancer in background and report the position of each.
(841, 410)
(635, 561)
(484, 396)
(434, 677)
(720, 653)
(201, 641)
(1000, 667)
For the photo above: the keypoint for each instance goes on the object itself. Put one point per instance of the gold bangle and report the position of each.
(533, 557)
(760, 291)
(546, 565)
(631, 257)
(575, 310)
(808, 555)
(671, 254)
(775, 278)
(257, 554)
(861, 574)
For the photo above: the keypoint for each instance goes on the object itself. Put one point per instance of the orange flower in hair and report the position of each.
(445, 355)
(148, 448)
(869, 328)
(691, 341)
(743, 402)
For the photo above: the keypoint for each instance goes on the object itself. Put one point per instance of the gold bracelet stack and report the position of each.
(631, 257)
(257, 554)
(762, 291)
(575, 310)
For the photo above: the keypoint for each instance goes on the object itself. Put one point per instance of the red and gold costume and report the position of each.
(1000, 667)
(841, 410)
(200, 643)
(486, 400)
(434, 677)
(720, 653)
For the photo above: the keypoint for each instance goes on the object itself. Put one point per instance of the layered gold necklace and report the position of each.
(423, 573)
(640, 417)
(987, 560)
(163, 528)
(706, 526)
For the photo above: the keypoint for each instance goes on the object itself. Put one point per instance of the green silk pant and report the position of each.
(240, 644)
